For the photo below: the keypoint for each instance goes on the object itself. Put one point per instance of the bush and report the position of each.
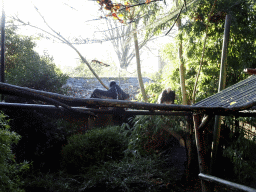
(240, 155)
(94, 147)
(9, 169)
(41, 138)
(152, 90)
(148, 134)
(25, 67)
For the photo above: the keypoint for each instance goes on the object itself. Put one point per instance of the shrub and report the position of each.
(25, 67)
(147, 134)
(9, 169)
(152, 90)
(41, 138)
(240, 156)
(94, 147)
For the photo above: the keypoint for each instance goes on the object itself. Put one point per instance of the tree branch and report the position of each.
(202, 58)
(175, 20)
(62, 39)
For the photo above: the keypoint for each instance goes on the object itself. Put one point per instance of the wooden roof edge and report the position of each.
(250, 71)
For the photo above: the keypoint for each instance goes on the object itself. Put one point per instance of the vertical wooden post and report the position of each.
(188, 143)
(224, 55)
(2, 45)
(222, 84)
(201, 152)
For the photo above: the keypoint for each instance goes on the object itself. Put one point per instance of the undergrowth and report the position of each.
(108, 159)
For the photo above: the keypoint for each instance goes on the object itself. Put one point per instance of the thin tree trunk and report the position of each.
(202, 58)
(137, 54)
(182, 69)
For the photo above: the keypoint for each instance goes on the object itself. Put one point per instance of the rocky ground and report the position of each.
(83, 87)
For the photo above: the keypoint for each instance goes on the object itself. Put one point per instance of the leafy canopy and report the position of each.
(25, 67)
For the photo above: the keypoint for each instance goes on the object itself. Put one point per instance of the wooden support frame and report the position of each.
(207, 180)
(60, 102)
(201, 149)
(229, 184)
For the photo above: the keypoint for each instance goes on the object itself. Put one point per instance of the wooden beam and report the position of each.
(225, 182)
(52, 108)
(201, 152)
(250, 71)
(222, 85)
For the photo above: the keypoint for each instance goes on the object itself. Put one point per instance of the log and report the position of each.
(66, 101)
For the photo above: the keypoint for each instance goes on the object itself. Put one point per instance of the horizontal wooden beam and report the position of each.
(52, 108)
(225, 182)
(250, 71)
(66, 101)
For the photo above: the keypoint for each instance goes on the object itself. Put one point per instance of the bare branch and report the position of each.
(175, 20)
(62, 39)
(101, 63)
(147, 2)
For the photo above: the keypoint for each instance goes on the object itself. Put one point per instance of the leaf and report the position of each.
(120, 15)
(232, 103)
(114, 15)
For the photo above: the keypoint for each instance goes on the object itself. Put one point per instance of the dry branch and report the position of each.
(62, 39)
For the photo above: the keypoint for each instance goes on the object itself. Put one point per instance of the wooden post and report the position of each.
(201, 152)
(222, 84)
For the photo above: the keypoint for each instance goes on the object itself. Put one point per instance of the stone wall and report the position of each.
(83, 87)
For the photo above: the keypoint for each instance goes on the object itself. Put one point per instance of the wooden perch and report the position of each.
(52, 108)
(66, 102)
(34, 94)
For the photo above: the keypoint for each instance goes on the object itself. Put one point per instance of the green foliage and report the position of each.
(241, 48)
(148, 12)
(241, 153)
(9, 169)
(103, 165)
(152, 91)
(41, 138)
(145, 137)
(140, 174)
(25, 67)
(93, 148)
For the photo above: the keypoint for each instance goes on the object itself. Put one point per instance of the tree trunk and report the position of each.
(137, 54)
(182, 69)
